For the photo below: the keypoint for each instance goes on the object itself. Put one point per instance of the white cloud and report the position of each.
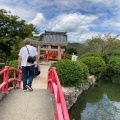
(76, 25)
(23, 12)
(69, 16)
(71, 22)
(39, 20)
(81, 38)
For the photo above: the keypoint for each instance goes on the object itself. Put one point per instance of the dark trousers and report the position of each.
(27, 74)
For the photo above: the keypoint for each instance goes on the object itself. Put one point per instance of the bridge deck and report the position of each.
(36, 105)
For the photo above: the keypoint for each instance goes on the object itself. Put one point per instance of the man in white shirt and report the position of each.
(27, 68)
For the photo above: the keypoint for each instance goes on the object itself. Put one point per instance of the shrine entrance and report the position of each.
(51, 46)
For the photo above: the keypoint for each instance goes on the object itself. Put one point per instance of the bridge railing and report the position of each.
(16, 78)
(56, 89)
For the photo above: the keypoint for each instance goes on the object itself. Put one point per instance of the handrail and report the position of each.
(6, 79)
(56, 89)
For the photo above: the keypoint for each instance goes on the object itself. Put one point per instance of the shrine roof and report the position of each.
(54, 37)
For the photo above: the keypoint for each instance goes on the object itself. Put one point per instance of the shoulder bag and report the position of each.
(30, 59)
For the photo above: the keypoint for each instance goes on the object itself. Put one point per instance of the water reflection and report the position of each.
(102, 110)
(100, 103)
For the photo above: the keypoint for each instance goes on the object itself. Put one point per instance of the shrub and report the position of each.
(68, 56)
(13, 63)
(13, 56)
(52, 65)
(71, 73)
(113, 69)
(114, 64)
(89, 54)
(85, 72)
(96, 65)
(108, 55)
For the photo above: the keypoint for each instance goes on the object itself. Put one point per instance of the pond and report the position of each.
(102, 102)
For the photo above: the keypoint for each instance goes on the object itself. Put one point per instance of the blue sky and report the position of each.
(81, 19)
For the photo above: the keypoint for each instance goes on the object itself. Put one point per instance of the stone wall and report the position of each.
(72, 93)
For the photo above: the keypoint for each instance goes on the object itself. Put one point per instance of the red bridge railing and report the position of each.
(56, 89)
(16, 78)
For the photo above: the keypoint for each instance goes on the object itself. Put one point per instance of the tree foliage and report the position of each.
(71, 50)
(101, 44)
(12, 31)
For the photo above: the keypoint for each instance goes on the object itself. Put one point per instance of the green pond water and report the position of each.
(101, 102)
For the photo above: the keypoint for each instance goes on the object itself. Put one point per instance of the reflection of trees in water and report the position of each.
(97, 103)
(103, 110)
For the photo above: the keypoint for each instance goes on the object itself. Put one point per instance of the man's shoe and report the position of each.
(29, 87)
(25, 89)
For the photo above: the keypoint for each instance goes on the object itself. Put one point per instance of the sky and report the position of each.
(81, 19)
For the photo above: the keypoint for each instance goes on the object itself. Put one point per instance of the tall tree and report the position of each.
(101, 44)
(12, 31)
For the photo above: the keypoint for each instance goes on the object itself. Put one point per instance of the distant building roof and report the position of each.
(37, 38)
(54, 37)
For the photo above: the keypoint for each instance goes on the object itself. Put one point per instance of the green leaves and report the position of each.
(71, 73)
(96, 65)
(12, 31)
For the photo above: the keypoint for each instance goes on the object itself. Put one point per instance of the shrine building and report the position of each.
(51, 45)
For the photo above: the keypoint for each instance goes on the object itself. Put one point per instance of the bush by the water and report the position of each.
(71, 73)
(107, 55)
(89, 54)
(113, 69)
(96, 65)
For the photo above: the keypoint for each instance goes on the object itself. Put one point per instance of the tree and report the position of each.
(101, 44)
(71, 50)
(12, 31)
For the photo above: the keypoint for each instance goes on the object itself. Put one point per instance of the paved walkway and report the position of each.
(36, 105)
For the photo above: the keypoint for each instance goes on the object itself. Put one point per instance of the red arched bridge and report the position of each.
(41, 104)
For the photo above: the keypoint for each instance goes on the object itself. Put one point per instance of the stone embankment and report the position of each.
(72, 93)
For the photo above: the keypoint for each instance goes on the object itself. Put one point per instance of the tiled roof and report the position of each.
(54, 37)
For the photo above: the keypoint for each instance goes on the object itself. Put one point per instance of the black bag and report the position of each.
(30, 59)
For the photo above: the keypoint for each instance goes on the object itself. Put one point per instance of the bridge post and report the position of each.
(59, 52)
(14, 81)
(20, 78)
(5, 79)
(39, 48)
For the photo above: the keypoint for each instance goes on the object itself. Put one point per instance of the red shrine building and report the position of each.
(52, 45)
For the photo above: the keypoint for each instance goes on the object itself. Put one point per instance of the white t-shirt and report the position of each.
(24, 54)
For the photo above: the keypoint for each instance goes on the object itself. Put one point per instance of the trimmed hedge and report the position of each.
(108, 55)
(13, 56)
(96, 65)
(13, 63)
(71, 73)
(68, 56)
(113, 69)
(114, 64)
(89, 54)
